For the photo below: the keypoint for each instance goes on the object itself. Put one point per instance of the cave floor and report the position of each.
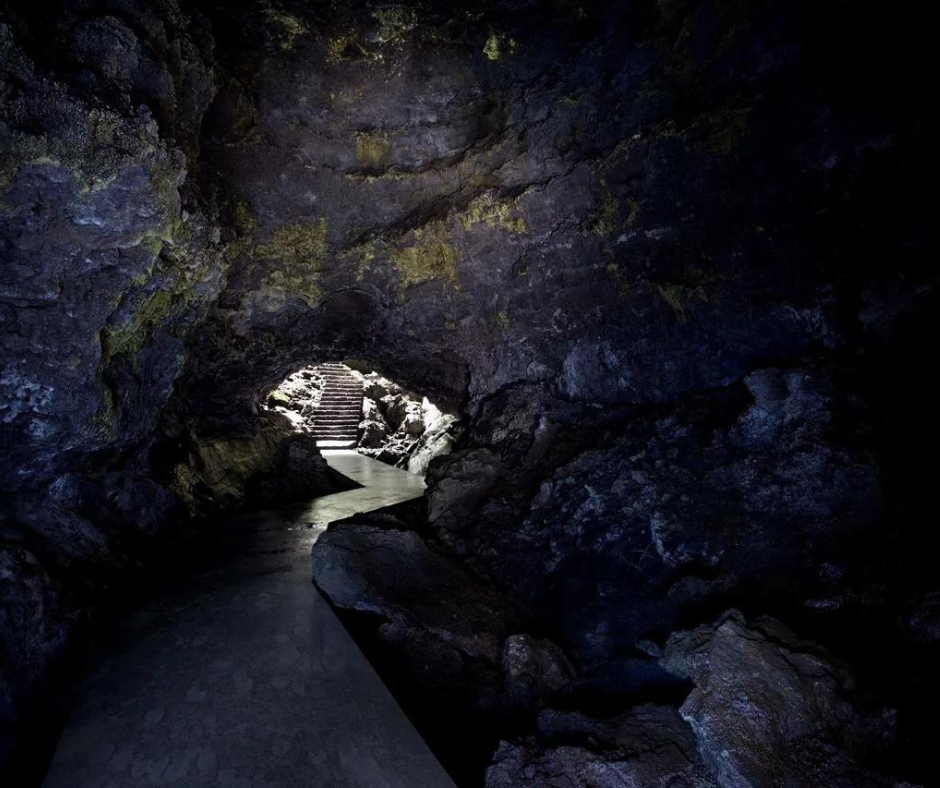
(240, 674)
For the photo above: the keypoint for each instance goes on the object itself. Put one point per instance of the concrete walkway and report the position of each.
(243, 676)
(382, 485)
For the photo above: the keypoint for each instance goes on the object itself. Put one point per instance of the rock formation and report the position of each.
(671, 262)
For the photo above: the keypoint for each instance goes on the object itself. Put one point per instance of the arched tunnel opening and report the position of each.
(347, 405)
(520, 393)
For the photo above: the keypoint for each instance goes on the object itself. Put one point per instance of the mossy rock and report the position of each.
(298, 251)
(372, 149)
(501, 214)
(431, 257)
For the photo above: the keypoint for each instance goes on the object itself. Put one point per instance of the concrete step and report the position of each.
(337, 415)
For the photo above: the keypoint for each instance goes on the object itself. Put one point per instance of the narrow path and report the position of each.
(243, 677)
(382, 485)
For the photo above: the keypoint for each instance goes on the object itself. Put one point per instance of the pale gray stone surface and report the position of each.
(246, 677)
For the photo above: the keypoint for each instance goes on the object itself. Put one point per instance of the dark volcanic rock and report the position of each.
(674, 263)
(395, 576)
(372, 434)
(33, 628)
(448, 640)
(768, 709)
(648, 746)
(532, 669)
(299, 473)
(730, 490)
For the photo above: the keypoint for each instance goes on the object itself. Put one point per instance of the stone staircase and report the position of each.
(336, 417)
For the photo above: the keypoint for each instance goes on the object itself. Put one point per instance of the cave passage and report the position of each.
(621, 313)
(241, 668)
(346, 407)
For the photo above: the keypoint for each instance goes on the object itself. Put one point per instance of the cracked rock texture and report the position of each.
(769, 710)
(671, 261)
(648, 746)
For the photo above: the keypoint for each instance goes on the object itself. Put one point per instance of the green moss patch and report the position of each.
(130, 339)
(607, 219)
(349, 47)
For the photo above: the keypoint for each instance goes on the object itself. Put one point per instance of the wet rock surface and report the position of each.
(673, 264)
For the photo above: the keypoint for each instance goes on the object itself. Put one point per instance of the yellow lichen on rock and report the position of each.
(298, 250)
(394, 24)
(486, 209)
(497, 45)
(129, 339)
(431, 257)
(372, 148)
(290, 28)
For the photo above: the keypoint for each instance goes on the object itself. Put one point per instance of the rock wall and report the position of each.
(400, 428)
(673, 262)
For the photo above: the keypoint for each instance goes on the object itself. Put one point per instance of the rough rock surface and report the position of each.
(428, 604)
(532, 670)
(298, 473)
(672, 262)
(721, 492)
(768, 709)
(453, 643)
(404, 431)
(648, 746)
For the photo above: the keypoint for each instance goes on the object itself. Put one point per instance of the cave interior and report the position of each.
(656, 283)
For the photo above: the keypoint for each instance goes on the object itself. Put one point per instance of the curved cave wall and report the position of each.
(672, 261)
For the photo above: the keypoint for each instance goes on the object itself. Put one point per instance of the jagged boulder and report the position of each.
(733, 487)
(395, 408)
(413, 424)
(532, 669)
(376, 387)
(371, 410)
(769, 709)
(372, 434)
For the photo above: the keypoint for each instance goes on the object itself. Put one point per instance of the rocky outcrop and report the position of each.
(298, 472)
(402, 430)
(768, 709)
(724, 492)
(449, 626)
(106, 259)
(297, 397)
(672, 262)
(648, 746)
